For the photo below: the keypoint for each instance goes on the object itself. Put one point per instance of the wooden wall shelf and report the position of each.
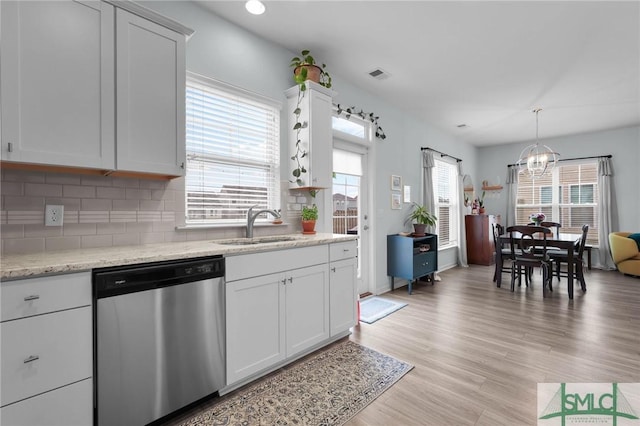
(492, 188)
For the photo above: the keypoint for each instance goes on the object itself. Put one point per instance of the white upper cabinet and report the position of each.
(150, 96)
(75, 71)
(316, 139)
(58, 83)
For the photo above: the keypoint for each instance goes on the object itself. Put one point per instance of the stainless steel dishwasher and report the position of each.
(159, 342)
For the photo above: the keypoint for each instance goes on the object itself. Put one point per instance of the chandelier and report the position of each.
(536, 160)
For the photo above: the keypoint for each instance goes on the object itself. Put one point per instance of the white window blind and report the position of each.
(233, 153)
(568, 195)
(446, 198)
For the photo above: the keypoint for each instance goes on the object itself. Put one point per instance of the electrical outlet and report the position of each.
(53, 215)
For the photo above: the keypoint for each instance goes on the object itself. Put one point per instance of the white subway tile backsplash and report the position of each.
(124, 205)
(138, 194)
(149, 216)
(110, 192)
(23, 176)
(70, 216)
(168, 216)
(123, 216)
(139, 228)
(125, 182)
(42, 189)
(79, 191)
(62, 243)
(111, 228)
(95, 204)
(93, 241)
(12, 231)
(94, 216)
(68, 203)
(42, 231)
(96, 180)
(22, 245)
(79, 229)
(152, 184)
(151, 205)
(23, 203)
(63, 179)
(152, 237)
(24, 217)
(12, 188)
(3, 217)
(126, 239)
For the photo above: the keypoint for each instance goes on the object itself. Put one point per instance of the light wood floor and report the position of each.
(480, 351)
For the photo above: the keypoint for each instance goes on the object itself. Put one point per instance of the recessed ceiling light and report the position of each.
(255, 7)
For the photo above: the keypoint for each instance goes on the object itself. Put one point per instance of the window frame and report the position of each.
(242, 97)
(453, 205)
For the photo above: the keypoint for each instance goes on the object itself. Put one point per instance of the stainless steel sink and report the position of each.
(257, 240)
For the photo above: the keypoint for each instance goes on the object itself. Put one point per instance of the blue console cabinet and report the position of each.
(411, 257)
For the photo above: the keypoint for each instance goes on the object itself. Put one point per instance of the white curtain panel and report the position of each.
(605, 172)
(428, 199)
(462, 234)
(512, 194)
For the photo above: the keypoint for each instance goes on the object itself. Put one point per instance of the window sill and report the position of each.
(229, 226)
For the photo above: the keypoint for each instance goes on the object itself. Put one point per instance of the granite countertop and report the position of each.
(27, 265)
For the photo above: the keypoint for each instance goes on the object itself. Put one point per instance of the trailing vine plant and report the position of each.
(301, 64)
(348, 112)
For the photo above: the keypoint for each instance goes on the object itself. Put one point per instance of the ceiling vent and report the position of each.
(379, 74)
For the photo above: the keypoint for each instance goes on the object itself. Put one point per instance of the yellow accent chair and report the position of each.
(625, 253)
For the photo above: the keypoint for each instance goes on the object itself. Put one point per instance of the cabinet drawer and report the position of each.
(68, 406)
(45, 352)
(270, 262)
(424, 264)
(346, 250)
(35, 296)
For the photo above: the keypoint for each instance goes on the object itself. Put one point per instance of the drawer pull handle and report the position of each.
(32, 297)
(31, 359)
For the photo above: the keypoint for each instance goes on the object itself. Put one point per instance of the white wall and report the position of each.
(226, 52)
(623, 144)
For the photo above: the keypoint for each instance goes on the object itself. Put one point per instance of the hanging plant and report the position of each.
(348, 112)
(305, 68)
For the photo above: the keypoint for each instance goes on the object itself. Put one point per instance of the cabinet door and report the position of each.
(58, 83)
(255, 325)
(45, 352)
(343, 295)
(307, 307)
(150, 81)
(320, 141)
(70, 405)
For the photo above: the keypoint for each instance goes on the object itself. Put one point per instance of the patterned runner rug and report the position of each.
(327, 389)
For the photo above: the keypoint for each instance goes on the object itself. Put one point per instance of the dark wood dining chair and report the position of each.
(502, 253)
(528, 245)
(562, 256)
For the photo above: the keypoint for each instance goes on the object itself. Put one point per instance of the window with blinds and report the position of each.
(568, 195)
(233, 153)
(446, 199)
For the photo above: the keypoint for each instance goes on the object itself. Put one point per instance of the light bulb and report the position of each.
(255, 7)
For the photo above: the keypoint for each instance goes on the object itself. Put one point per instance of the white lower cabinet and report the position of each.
(70, 405)
(274, 317)
(343, 286)
(46, 362)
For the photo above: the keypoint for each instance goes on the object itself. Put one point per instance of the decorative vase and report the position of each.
(308, 227)
(481, 210)
(313, 72)
(419, 229)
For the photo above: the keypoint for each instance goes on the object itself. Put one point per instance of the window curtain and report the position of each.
(428, 200)
(462, 234)
(605, 172)
(512, 195)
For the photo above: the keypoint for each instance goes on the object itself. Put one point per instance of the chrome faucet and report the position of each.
(251, 217)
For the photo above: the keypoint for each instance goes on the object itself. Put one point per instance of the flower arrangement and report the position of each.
(537, 217)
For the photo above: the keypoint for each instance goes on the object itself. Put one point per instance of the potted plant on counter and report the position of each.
(309, 217)
(421, 218)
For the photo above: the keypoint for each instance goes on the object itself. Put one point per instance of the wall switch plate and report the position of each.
(53, 215)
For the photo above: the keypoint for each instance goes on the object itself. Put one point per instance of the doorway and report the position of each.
(351, 202)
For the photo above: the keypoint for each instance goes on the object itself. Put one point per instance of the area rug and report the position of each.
(326, 389)
(373, 308)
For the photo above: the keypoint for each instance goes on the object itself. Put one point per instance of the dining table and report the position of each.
(567, 243)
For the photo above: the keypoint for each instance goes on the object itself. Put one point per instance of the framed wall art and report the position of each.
(396, 201)
(396, 183)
